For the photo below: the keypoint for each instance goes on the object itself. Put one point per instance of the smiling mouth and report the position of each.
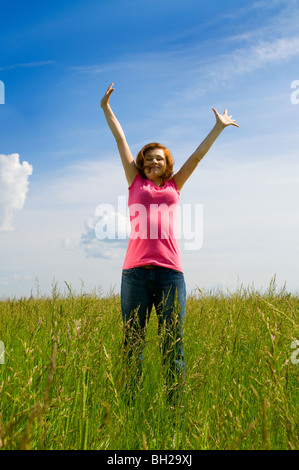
(152, 168)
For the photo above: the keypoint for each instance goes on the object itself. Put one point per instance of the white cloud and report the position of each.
(264, 53)
(27, 65)
(13, 188)
(96, 246)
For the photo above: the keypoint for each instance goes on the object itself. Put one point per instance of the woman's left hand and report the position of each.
(224, 119)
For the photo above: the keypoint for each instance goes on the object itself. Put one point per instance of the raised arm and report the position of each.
(127, 159)
(222, 121)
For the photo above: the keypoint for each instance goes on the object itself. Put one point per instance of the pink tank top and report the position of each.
(154, 225)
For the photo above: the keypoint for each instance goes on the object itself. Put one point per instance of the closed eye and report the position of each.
(149, 159)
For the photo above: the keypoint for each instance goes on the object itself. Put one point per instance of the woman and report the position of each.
(152, 272)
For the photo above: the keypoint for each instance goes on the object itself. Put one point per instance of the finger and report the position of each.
(109, 92)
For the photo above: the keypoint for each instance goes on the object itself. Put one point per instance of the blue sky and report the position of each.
(171, 62)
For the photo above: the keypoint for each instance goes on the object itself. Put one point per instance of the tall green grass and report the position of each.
(63, 380)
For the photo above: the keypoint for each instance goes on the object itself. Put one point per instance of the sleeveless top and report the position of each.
(154, 225)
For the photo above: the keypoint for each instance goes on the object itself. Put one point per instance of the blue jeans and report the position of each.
(165, 289)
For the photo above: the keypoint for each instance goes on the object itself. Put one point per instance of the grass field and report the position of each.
(62, 381)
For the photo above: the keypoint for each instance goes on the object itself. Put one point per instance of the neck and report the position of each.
(157, 182)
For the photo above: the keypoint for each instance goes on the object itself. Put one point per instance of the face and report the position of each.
(154, 164)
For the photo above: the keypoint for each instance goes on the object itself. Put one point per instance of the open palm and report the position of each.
(224, 119)
(105, 99)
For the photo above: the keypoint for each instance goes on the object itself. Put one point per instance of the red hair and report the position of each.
(168, 157)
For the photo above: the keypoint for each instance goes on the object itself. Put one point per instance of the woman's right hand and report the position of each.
(105, 99)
